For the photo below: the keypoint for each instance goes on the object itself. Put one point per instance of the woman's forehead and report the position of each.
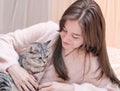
(73, 26)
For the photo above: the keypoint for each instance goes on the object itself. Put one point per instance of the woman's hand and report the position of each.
(22, 79)
(56, 86)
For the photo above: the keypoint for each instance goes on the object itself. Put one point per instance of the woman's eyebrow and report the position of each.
(73, 33)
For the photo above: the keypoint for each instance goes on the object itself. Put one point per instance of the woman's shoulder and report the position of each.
(52, 25)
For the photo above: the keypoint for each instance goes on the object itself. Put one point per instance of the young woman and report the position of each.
(79, 59)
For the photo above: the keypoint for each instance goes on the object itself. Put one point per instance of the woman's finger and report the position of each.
(33, 78)
(18, 86)
(46, 89)
(33, 82)
(30, 86)
(16, 82)
(47, 84)
(24, 87)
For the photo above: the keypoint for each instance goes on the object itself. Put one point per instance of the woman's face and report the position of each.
(71, 35)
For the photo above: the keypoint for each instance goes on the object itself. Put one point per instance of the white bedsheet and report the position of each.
(114, 57)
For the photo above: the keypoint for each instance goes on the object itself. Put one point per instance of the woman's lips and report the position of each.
(65, 43)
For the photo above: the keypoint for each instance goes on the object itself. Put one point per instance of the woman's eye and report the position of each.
(75, 37)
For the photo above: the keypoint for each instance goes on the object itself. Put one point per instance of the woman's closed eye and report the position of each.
(75, 36)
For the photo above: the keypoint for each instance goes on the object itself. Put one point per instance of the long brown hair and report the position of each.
(92, 22)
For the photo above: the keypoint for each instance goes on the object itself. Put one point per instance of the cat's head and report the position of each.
(39, 52)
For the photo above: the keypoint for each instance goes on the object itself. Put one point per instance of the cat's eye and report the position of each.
(46, 56)
(30, 52)
(33, 52)
(40, 57)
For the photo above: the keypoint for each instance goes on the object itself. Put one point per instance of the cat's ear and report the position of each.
(47, 42)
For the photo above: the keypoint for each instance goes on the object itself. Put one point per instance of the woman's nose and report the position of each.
(67, 38)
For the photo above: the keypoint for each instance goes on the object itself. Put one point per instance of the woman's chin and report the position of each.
(66, 47)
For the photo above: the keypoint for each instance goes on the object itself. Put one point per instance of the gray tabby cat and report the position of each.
(34, 59)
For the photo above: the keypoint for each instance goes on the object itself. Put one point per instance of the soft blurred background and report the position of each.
(18, 14)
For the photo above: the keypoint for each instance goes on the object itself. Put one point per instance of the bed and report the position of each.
(114, 57)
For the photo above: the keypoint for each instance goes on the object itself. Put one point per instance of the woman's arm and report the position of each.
(12, 43)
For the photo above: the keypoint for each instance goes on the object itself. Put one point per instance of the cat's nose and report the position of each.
(44, 61)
